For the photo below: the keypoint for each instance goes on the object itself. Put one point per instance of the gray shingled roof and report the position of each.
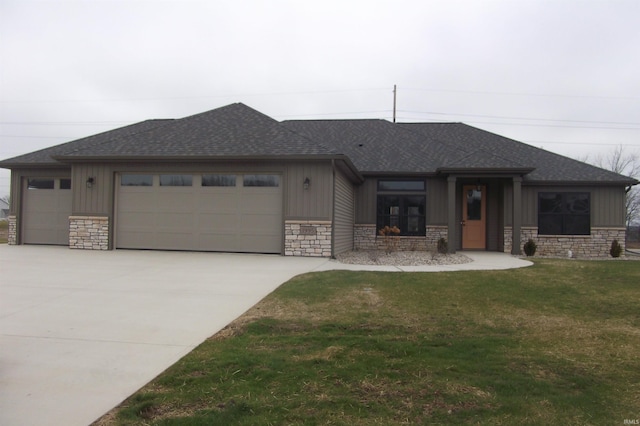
(44, 157)
(377, 146)
(231, 131)
(373, 146)
(548, 166)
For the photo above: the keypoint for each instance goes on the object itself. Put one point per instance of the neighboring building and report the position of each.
(4, 210)
(233, 179)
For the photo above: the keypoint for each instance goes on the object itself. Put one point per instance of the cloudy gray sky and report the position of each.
(563, 75)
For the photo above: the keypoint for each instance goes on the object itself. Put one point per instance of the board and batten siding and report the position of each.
(343, 215)
(607, 204)
(365, 201)
(313, 203)
(437, 201)
(97, 200)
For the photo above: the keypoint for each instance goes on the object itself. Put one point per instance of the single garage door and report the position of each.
(46, 211)
(209, 212)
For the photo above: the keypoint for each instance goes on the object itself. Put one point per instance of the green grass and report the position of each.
(556, 343)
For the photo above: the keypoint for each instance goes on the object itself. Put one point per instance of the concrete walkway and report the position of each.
(80, 331)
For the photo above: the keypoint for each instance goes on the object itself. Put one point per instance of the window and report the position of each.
(218, 180)
(176, 180)
(40, 183)
(400, 185)
(261, 180)
(136, 180)
(564, 213)
(65, 183)
(402, 203)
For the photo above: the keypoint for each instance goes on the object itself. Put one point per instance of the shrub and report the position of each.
(443, 247)
(616, 249)
(530, 247)
(390, 238)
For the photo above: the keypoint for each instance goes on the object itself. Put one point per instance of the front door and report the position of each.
(474, 227)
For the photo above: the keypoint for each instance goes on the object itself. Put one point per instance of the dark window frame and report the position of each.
(396, 200)
(261, 180)
(39, 183)
(137, 179)
(176, 180)
(564, 213)
(219, 180)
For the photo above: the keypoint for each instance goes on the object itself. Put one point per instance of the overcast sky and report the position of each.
(563, 75)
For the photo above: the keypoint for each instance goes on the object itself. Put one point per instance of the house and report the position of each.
(235, 180)
(4, 210)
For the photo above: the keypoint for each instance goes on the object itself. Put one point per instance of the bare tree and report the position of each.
(625, 163)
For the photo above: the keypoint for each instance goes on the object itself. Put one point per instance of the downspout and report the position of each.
(333, 209)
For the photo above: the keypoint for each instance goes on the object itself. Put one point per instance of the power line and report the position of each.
(546, 95)
(521, 118)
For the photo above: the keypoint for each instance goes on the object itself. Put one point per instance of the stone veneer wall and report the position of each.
(89, 232)
(596, 245)
(12, 238)
(366, 237)
(307, 238)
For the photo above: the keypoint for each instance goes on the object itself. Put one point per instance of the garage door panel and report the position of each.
(136, 201)
(175, 221)
(174, 241)
(46, 214)
(217, 223)
(209, 218)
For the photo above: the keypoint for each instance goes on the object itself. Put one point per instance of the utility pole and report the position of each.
(394, 103)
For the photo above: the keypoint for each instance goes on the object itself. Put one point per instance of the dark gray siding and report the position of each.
(365, 196)
(344, 215)
(315, 202)
(607, 204)
(437, 201)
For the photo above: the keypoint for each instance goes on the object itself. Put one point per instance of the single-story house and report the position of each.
(4, 210)
(235, 180)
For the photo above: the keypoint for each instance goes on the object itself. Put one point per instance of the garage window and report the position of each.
(136, 180)
(218, 180)
(262, 180)
(176, 180)
(40, 183)
(65, 183)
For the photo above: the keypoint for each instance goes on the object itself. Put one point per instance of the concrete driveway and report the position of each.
(80, 331)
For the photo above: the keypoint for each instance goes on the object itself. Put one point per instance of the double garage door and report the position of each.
(210, 212)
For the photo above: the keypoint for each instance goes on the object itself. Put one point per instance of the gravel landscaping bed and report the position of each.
(401, 258)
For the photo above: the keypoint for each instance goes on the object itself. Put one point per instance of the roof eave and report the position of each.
(631, 182)
(52, 165)
(483, 171)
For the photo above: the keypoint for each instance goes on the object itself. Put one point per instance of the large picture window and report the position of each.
(402, 203)
(564, 213)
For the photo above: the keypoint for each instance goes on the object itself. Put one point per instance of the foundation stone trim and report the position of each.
(12, 237)
(594, 246)
(307, 238)
(89, 232)
(365, 237)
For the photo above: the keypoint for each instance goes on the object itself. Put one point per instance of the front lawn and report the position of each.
(555, 343)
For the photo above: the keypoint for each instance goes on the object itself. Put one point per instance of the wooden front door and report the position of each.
(474, 222)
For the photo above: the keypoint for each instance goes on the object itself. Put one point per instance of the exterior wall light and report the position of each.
(90, 182)
(306, 183)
